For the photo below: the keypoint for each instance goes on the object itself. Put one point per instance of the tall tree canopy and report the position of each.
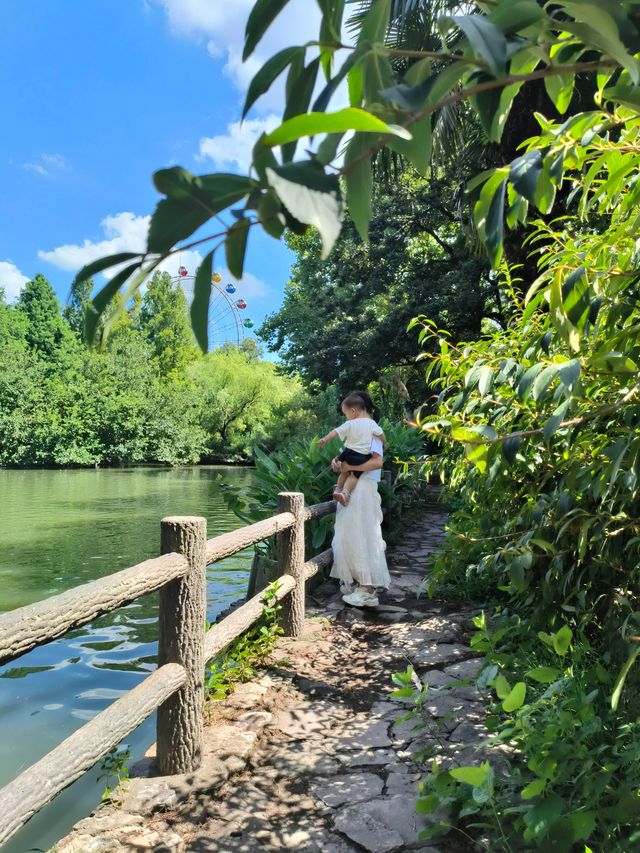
(148, 396)
(344, 320)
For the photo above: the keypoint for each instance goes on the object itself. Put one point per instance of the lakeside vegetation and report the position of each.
(149, 395)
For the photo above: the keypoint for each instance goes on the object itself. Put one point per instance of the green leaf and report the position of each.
(359, 182)
(418, 149)
(351, 118)
(475, 776)
(173, 221)
(134, 282)
(299, 91)
(613, 362)
(525, 172)
(533, 789)
(322, 101)
(582, 825)
(269, 72)
(478, 454)
(501, 686)
(442, 84)
(426, 805)
(486, 39)
(560, 89)
(525, 385)
(543, 815)
(263, 157)
(562, 640)
(328, 148)
(377, 75)
(312, 197)
(178, 217)
(235, 246)
(510, 447)
(375, 23)
(355, 85)
(271, 218)
(516, 15)
(595, 27)
(515, 699)
(199, 310)
(104, 296)
(569, 373)
(332, 11)
(544, 674)
(487, 104)
(176, 182)
(622, 677)
(543, 380)
(89, 270)
(488, 213)
(262, 15)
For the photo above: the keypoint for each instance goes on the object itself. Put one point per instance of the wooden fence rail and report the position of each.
(176, 688)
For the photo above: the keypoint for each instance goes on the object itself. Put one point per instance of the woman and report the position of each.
(359, 560)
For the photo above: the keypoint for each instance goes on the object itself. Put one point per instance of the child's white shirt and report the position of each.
(358, 433)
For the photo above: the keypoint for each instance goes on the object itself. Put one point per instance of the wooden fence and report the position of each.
(176, 687)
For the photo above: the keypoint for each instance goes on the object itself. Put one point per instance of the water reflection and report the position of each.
(59, 529)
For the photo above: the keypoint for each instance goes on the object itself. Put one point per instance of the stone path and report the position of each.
(312, 755)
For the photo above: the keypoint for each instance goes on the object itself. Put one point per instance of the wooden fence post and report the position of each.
(291, 562)
(183, 611)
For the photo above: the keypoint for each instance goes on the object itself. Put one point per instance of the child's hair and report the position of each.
(361, 400)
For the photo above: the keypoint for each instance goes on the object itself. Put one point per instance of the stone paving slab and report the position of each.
(313, 755)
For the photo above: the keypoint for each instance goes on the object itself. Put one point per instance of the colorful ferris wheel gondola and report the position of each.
(225, 324)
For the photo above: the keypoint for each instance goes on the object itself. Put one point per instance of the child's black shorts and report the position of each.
(352, 457)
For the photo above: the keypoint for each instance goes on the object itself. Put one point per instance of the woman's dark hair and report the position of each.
(361, 400)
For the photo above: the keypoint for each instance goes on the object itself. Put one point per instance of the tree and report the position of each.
(46, 330)
(342, 320)
(238, 397)
(76, 308)
(164, 321)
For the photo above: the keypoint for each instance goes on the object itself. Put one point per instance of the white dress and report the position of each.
(358, 546)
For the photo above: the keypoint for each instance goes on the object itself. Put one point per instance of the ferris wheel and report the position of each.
(226, 325)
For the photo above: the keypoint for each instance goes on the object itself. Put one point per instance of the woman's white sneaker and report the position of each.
(361, 598)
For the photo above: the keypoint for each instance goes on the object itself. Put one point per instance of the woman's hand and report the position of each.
(336, 465)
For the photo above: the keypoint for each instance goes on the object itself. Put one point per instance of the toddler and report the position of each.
(356, 433)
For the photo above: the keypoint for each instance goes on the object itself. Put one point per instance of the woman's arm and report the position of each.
(372, 464)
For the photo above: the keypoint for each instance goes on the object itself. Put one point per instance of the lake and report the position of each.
(59, 529)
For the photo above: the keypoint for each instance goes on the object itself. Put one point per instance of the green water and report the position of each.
(59, 529)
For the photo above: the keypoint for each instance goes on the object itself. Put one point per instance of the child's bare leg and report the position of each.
(342, 479)
(338, 494)
(351, 482)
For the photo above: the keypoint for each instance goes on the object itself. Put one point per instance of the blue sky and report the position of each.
(95, 97)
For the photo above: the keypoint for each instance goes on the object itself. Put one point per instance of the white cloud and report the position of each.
(249, 285)
(125, 232)
(11, 280)
(221, 27)
(233, 149)
(46, 165)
